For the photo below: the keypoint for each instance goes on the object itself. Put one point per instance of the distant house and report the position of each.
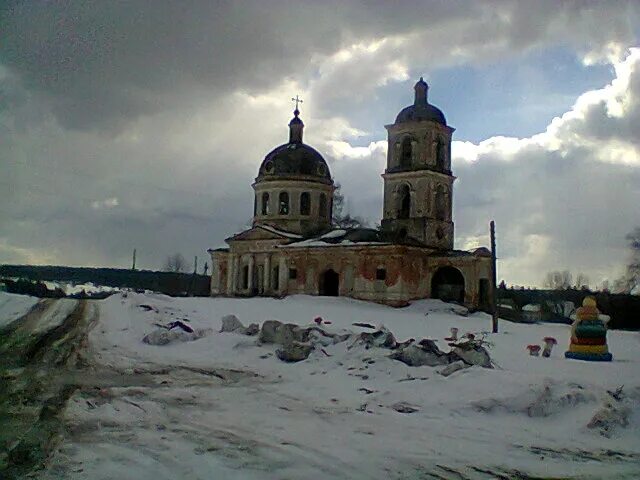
(531, 313)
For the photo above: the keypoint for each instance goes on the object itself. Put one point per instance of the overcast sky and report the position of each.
(142, 124)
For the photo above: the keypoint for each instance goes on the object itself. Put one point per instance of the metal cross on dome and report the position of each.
(297, 100)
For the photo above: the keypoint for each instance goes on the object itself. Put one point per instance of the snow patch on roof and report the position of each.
(314, 242)
(284, 233)
(334, 234)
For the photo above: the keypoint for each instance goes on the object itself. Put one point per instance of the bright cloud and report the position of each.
(107, 203)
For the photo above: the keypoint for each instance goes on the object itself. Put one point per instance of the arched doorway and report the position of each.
(448, 284)
(329, 283)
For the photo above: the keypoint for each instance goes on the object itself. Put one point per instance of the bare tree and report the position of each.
(341, 218)
(175, 263)
(558, 280)
(582, 281)
(631, 280)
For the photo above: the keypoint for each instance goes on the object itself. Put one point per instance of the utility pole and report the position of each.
(133, 267)
(494, 310)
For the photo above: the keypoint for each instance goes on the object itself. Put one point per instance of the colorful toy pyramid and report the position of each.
(588, 335)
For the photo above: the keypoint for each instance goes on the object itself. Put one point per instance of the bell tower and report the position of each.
(418, 183)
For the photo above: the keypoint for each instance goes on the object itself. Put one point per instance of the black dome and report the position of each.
(420, 113)
(294, 159)
(421, 109)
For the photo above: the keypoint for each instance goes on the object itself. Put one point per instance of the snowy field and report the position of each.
(223, 407)
(71, 288)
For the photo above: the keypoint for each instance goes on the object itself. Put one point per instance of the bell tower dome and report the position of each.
(418, 183)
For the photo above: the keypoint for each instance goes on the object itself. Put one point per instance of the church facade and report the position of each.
(293, 248)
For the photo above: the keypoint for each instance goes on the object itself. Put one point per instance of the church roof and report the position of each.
(419, 113)
(340, 238)
(354, 237)
(295, 158)
(292, 159)
(263, 232)
(421, 109)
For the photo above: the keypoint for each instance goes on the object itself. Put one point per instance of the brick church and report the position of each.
(293, 248)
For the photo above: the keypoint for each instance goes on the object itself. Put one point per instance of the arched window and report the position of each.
(305, 203)
(440, 155)
(405, 202)
(405, 154)
(322, 208)
(441, 203)
(284, 203)
(265, 203)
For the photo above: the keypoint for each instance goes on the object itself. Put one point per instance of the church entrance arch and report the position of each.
(448, 284)
(329, 283)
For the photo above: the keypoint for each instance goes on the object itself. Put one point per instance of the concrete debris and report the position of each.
(162, 336)
(294, 351)
(403, 407)
(231, 323)
(363, 325)
(252, 329)
(380, 338)
(284, 333)
(613, 415)
(473, 354)
(452, 368)
(297, 342)
(415, 355)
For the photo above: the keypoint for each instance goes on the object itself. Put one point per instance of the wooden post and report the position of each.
(494, 309)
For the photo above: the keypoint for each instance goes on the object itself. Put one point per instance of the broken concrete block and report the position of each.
(268, 331)
(452, 368)
(252, 329)
(416, 356)
(230, 323)
(473, 355)
(294, 351)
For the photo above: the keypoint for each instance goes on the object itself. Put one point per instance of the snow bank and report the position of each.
(225, 405)
(14, 306)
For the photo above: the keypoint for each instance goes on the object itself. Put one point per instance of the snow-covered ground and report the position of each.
(14, 306)
(222, 407)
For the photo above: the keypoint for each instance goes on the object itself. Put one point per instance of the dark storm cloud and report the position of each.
(100, 63)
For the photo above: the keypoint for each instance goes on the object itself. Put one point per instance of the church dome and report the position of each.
(294, 158)
(421, 110)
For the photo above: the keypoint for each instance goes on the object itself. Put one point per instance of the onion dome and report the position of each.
(421, 110)
(294, 159)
